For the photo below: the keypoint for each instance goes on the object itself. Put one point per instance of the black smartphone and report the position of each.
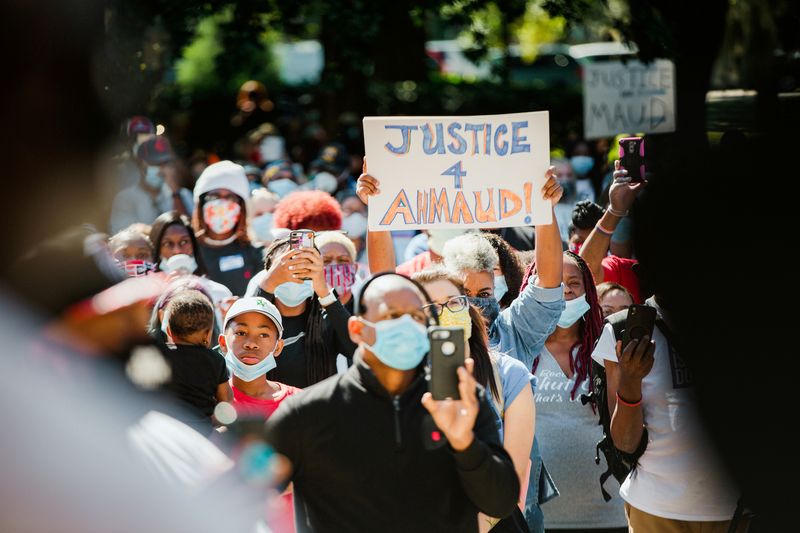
(631, 157)
(301, 238)
(446, 355)
(640, 322)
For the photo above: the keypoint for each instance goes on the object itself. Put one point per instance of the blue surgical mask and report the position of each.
(489, 307)
(500, 287)
(152, 177)
(400, 343)
(261, 227)
(573, 310)
(581, 164)
(292, 294)
(249, 372)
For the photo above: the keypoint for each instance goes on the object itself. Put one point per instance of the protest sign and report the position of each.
(458, 172)
(628, 98)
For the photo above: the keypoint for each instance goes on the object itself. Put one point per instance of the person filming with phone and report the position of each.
(372, 450)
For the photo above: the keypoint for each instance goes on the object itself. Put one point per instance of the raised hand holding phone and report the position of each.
(631, 155)
(456, 418)
(636, 350)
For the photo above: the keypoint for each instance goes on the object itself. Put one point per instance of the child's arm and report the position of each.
(224, 392)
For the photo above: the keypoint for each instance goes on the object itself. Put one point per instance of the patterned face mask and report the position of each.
(341, 277)
(136, 268)
(221, 215)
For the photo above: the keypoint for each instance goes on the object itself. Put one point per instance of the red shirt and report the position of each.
(416, 264)
(281, 510)
(247, 405)
(620, 270)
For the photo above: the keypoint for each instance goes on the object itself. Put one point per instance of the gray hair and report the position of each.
(470, 252)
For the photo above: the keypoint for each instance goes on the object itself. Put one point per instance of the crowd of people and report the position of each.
(302, 371)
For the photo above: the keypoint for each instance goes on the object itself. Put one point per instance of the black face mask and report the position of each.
(489, 307)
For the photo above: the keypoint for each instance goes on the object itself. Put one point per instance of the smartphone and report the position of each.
(301, 238)
(631, 157)
(640, 322)
(446, 355)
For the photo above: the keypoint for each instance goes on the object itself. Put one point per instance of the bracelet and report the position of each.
(617, 213)
(603, 230)
(325, 301)
(626, 403)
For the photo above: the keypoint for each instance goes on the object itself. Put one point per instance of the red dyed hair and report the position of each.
(590, 328)
(315, 210)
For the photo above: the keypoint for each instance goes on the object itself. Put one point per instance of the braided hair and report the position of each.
(320, 362)
(510, 265)
(591, 325)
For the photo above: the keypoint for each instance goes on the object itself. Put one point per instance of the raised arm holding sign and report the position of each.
(467, 172)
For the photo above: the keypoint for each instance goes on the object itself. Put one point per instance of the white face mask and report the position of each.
(152, 177)
(249, 372)
(181, 263)
(500, 287)
(573, 310)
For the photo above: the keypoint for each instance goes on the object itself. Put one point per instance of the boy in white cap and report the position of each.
(251, 340)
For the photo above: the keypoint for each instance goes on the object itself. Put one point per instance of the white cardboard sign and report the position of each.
(628, 98)
(458, 172)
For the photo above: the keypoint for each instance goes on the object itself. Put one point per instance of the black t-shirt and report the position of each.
(292, 363)
(233, 265)
(196, 373)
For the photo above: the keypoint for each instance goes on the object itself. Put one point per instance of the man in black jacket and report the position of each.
(367, 456)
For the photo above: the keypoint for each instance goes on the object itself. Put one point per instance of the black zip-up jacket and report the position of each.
(366, 461)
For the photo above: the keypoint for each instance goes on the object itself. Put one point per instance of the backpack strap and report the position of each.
(619, 463)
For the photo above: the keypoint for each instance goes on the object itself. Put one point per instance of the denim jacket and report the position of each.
(521, 331)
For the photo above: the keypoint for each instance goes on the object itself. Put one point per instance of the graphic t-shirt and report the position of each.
(567, 432)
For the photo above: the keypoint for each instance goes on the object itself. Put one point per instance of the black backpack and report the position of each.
(619, 463)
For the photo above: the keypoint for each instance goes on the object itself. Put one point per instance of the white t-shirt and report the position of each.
(679, 476)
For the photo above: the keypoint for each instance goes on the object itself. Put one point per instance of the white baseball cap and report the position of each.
(223, 175)
(254, 304)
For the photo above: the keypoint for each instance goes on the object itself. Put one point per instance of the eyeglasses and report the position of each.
(454, 304)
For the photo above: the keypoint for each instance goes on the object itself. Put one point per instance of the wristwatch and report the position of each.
(325, 301)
